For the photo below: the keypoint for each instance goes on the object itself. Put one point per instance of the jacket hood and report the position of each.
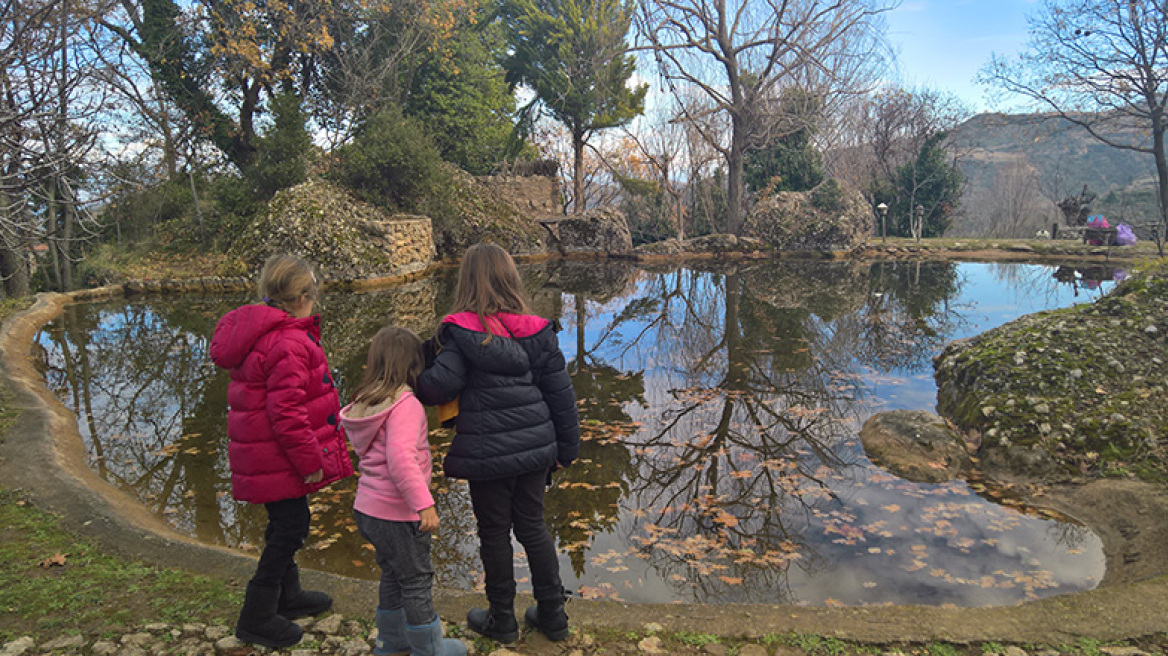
(362, 431)
(503, 323)
(499, 355)
(239, 330)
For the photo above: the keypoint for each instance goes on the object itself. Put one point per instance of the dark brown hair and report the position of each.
(489, 283)
(284, 279)
(395, 359)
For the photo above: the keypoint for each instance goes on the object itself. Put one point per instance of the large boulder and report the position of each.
(598, 232)
(343, 237)
(915, 445)
(830, 217)
(706, 245)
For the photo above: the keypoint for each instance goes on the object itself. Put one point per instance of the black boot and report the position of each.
(498, 623)
(549, 617)
(295, 602)
(259, 623)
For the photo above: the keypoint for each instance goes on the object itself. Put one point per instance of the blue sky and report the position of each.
(942, 44)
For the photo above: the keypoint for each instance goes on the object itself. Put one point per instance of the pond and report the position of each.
(720, 407)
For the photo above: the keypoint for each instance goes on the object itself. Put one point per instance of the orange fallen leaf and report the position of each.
(731, 580)
(56, 560)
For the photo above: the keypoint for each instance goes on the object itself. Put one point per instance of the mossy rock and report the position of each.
(1082, 388)
(343, 237)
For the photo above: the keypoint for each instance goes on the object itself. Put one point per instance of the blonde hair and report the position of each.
(489, 283)
(395, 360)
(284, 279)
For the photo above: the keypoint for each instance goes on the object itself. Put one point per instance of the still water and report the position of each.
(720, 409)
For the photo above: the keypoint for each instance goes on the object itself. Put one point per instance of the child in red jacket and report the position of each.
(285, 438)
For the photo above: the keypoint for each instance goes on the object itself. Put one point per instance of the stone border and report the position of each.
(42, 454)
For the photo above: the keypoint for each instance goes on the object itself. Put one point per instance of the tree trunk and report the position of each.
(1161, 177)
(735, 163)
(198, 209)
(69, 219)
(14, 268)
(578, 171)
(51, 228)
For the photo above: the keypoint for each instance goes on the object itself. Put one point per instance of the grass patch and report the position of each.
(92, 593)
(696, 639)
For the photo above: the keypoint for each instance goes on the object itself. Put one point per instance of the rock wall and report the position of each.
(536, 195)
(408, 239)
(481, 209)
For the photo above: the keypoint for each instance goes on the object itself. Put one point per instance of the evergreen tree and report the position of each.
(573, 54)
(788, 161)
(461, 95)
(282, 152)
(931, 182)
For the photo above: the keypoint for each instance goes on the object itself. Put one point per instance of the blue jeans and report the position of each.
(403, 554)
(515, 504)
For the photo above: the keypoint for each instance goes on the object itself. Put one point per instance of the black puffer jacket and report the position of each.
(516, 406)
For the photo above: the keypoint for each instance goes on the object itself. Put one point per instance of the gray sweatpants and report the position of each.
(403, 553)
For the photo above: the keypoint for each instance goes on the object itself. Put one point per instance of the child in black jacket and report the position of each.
(516, 423)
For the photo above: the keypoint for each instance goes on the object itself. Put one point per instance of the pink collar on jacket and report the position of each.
(519, 325)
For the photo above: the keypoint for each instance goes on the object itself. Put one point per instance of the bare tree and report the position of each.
(882, 132)
(659, 150)
(48, 132)
(1102, 65)
(1014, 205)
(741, 55)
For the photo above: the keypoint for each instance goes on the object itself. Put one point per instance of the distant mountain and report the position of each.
(1017, 166)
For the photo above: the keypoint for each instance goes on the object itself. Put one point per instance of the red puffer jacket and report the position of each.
(283, 410)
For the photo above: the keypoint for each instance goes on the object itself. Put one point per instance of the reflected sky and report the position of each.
(720, 409)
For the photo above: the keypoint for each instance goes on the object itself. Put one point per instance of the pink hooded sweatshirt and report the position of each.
(396, 464)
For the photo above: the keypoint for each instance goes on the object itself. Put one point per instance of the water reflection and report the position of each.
(720, 410)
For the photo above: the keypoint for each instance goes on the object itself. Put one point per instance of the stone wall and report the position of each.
(409, 240)
(537, 195)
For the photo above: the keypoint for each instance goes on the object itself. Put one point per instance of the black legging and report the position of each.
(287, 530)
(507, 504)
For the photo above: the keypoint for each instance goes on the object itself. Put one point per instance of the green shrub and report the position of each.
(828, 196)
(391, 162)
(134, 213)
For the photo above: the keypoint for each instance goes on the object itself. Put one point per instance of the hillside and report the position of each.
(1017, 166)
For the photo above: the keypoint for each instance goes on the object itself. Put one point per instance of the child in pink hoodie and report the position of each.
(394, 509)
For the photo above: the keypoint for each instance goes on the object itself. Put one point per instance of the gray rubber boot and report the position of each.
(391, 632)
(427, 640)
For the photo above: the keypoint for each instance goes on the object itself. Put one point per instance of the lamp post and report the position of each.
(883, 208)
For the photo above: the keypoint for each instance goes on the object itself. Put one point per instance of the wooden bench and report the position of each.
(1105, 236)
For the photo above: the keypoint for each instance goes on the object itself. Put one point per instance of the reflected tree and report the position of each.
(744, 445)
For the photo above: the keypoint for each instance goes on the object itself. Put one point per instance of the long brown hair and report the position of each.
(489, 283)
(395, 360)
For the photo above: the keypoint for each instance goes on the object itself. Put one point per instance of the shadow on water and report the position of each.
(720, 409)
